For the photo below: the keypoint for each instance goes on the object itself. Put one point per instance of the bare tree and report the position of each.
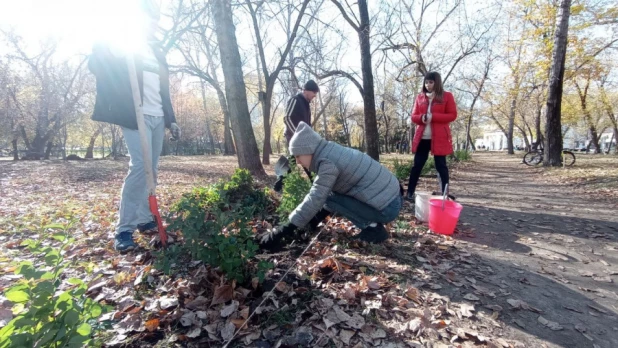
(46, 109)
(361, 25)
(198, 41)
(270, 77)
(236, 95)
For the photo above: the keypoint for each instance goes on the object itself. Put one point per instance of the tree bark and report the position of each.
(511, 128)
(372, 138)
(553, 124)
(93, 139)
(592, 127)
(208, 127)
(236, 95)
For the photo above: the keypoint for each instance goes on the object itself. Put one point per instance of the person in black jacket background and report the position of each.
(297, 110)
(114, 104)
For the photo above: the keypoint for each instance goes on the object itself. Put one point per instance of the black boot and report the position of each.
(409, 197)
(377, 234)
(279, 183)
(319, 217)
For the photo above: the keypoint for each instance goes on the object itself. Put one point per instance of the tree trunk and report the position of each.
(236, 95)
(48, 149)
(266, 150)
(511, 128)
(228, 141)
(372, 139)
(537, 125)
(553, 124)
(208, 127)
(93, 138)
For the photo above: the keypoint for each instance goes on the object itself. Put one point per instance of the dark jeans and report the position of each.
(361, 214)
(420, 157)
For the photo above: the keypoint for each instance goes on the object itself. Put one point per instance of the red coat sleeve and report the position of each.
(416, 113)
(450, 108)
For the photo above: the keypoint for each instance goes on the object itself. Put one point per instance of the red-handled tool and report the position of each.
(146, 150)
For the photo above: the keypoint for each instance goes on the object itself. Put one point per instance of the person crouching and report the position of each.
(348, 183)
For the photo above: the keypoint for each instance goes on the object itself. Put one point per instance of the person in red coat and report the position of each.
(434, 110)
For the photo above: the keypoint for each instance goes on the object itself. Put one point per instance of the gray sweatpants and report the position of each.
(134, 208)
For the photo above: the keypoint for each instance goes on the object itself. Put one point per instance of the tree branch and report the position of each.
(356, 26)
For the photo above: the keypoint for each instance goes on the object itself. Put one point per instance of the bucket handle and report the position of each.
(444, 195)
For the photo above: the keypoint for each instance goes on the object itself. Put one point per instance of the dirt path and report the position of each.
(546, 245)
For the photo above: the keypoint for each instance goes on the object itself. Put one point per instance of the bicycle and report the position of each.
(535, 157)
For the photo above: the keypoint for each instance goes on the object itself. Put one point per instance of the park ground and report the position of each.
(533, 263)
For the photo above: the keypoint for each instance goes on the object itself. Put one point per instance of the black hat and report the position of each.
(311, 86)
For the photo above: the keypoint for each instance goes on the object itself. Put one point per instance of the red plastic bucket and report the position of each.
(443, 221)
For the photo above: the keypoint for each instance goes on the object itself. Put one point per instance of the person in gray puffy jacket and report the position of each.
(348, 183)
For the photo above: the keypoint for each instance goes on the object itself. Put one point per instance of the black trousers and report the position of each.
(421, 156)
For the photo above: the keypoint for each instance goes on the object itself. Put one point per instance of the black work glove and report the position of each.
(319, 217)
(272, 240)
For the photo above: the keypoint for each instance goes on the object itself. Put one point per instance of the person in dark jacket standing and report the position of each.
(297, 110)
(114, 104)
(434, 110)
(348, 182)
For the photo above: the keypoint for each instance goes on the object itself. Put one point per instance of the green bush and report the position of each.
(49, 312)
(215, 224)
(295, 188)
(402, 169)
(462, 155)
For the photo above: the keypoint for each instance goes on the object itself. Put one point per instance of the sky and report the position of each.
(77, 23)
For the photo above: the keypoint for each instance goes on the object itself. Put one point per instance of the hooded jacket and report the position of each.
(342, 170)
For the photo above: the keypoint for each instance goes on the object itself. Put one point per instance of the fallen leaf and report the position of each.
(503, 343)
(580, 327)
(238, 323)
(519, 304)
(471, 297)
(341, 315)
(168, 302)
(550, 324)
(496, 308)
(227, 331)
(198, 303)
(194, 332)
(421, 259)
(132, 322)
(152, 324)
(466, 310)
(356, 321)
(414, 325)
(188, 319)
(282, 287)
(601, 310)
(413, 294)
(229, 309)
(572, 309)
(346, 336)
(251, 337)
(222, 294)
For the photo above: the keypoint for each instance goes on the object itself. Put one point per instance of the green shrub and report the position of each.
(402, 169)
(462, 155)
(215, 223)
(295, 188)
(49, 312)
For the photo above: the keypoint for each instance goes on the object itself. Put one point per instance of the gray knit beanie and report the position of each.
(304, 141)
